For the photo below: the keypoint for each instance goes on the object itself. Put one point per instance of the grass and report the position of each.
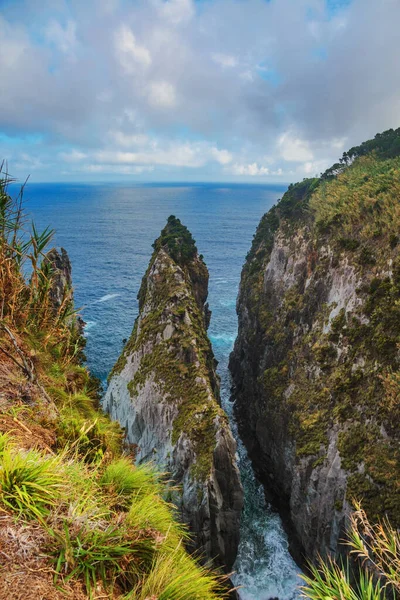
(175, 577)
(30, 484)
(374, 573)
(124, 480)
(362, 202)
(111, 555)
(334, 582)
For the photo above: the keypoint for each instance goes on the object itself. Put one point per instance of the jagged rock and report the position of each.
(164, 390)
(307, 370)
(61, 287)
(61, 275)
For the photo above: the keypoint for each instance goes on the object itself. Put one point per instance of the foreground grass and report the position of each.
(375, 566)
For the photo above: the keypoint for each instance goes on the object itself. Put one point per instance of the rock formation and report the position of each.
(315, 364)
(164, 392)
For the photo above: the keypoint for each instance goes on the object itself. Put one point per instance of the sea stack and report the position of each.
(164, 391)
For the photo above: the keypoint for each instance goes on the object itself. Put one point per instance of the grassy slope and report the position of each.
(77, 519)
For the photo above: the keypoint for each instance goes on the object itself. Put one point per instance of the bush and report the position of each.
(123, 479)
(29, 483)
(376, 549)
(112, 555)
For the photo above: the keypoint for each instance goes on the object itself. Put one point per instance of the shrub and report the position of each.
(175, 576)
(376, 549)
(112, 555)
(29, 483)
(123, 479)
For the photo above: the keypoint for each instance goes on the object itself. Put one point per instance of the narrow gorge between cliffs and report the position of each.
(109, 247)
(264, 568)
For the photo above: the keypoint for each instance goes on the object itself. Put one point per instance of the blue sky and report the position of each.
(185, 90)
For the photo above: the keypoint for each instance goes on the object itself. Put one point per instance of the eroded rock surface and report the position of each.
(316, 348)
(164, 392)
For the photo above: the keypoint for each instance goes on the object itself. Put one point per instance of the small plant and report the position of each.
(123, 479)
(151, 511)
(377, 546)
(110, 554)
(174, 576)
(29, 483)
(376, 575)
(330, 581)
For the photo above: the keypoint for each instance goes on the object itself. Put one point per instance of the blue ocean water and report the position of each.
(108, 230)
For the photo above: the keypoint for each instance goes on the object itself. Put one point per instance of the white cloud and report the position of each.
(176, 11)
(128, 140)
(72, 156)
(224, 60)
(223, 157)
(251, 169)
(314, 168)
(64, 38)
(130, 54)
(177, 155)
(162, 94)
(119, 169)
(103, 74)
(293, 149)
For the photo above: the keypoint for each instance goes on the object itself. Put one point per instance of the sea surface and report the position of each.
(108, 230)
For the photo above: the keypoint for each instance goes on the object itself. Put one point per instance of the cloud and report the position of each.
(251, 169)
(64, 38)
(162, 94)
(222, 156)
(116, 169)
(225, 60)
(176, 11)
(130, 54)
(193, 85)
(72, 156)
(294, 149)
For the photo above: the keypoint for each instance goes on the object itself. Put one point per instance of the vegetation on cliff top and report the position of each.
(178, 241)
(77, 518)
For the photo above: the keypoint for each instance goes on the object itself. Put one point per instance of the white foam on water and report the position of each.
(106, 298)
(221, 337)
(264, 568)
(88, 325)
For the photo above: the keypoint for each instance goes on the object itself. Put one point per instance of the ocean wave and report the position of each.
(88, 325)
(224, 338)
(106, 298)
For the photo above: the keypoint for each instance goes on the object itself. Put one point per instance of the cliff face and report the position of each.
(315, 365)
(164, 392)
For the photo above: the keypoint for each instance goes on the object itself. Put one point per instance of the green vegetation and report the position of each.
(91, 524)
(178, 241)
(29, 486)
(362, 202)
(374, 573)
(384, 145)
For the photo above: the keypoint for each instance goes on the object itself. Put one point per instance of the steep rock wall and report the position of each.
(164, 391)
(314, 367)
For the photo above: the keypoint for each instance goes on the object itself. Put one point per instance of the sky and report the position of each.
(193, 90)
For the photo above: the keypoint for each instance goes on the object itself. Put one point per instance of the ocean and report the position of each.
(108, 230)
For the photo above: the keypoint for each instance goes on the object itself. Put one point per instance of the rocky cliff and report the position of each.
(164, 392)
(316, 361)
